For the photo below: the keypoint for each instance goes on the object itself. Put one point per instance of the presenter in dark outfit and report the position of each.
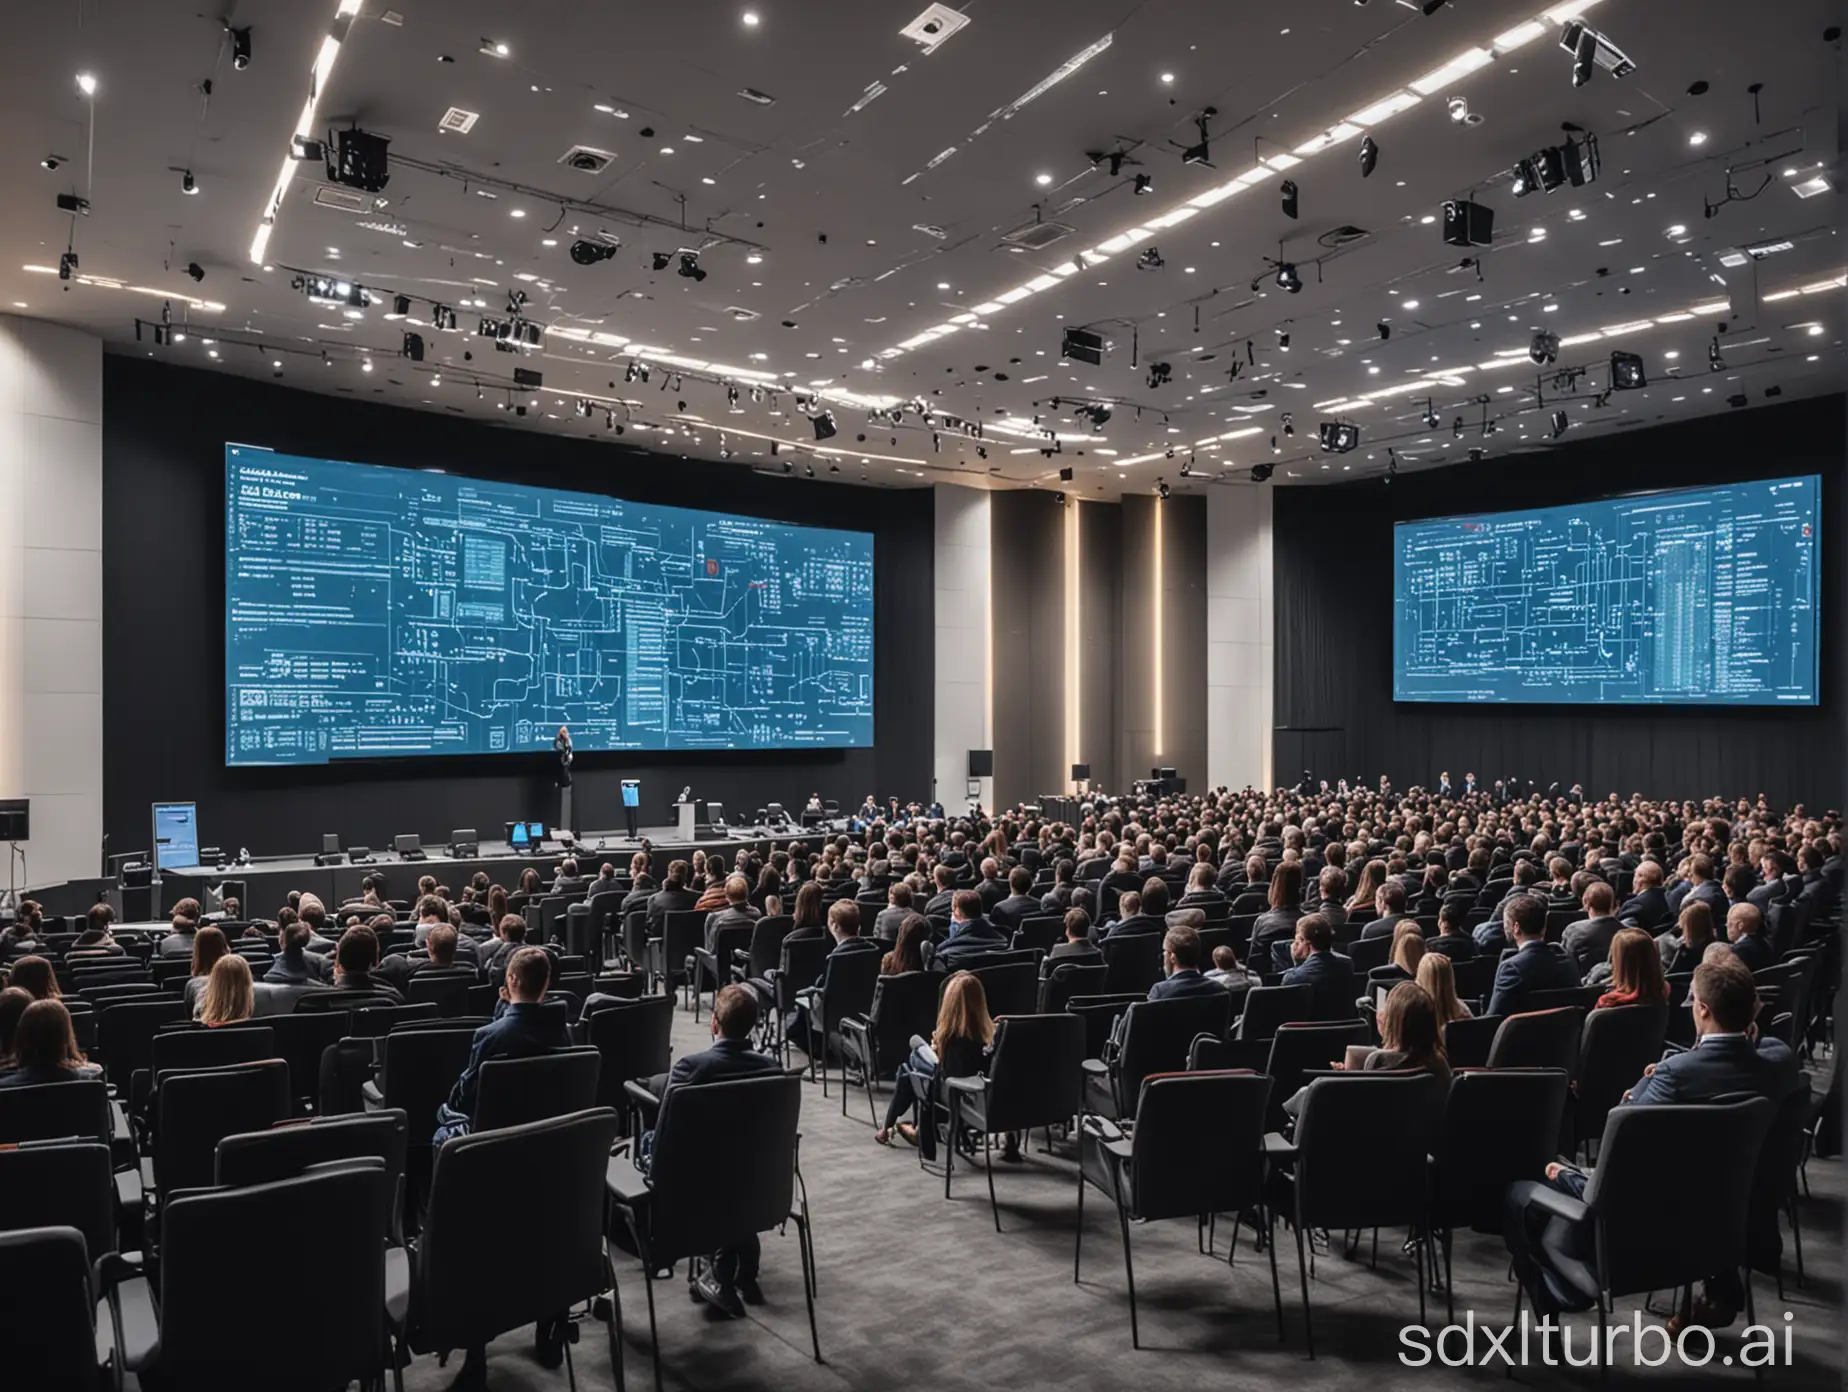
(562, 745)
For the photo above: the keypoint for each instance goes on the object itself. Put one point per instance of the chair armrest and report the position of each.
(1103, 1128)
(808, 992)
(975, 1085)
(369, 1091)
(1559, 1204)
(128, 1191)
(625, 1184)
(638, 1094)
(135, 1325)
(854, 1024)
(1095, 1068)
(1277, 1148)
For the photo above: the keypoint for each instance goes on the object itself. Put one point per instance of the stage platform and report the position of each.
(267, 879)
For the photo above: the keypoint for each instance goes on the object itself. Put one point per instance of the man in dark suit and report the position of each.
(1588, 942)
(1077, 947)
(730, 1278)
(1202, 891)
(844, 924)
(519, 1029)
(438, 958)
(642, 886)
(1535, 966)
(1772, 888)
(1019, 904)
(1726, 1060)
(1329, 976)
(1180, 959)
(1453, 939)
(938, 905)
(1699, 884)
(1064, 880)
(568, 880)
(1389, 904)
(1122, 876)
(971, 934)
(1647, 906)
(1135, 919)
(737, 913)
(672, 897)
(892, 917)
(992, 887)
(1745, 929)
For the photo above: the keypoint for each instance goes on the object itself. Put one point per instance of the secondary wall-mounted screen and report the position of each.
(374, 612)
(1694, 597)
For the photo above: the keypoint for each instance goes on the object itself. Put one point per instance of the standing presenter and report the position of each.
(562, 747)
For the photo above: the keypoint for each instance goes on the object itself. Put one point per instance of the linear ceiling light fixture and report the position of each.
(318, 78)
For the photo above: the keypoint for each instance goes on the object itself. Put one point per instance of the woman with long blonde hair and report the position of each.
(1439, 978)
(229, 994)
(1408, 947)
(209, 945)
(958, 1048)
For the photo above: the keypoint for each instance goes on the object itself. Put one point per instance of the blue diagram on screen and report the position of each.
(1699, 596)
(373, 612)
(176, 834)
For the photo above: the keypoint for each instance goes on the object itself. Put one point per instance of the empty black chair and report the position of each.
(449, 994)
(1539, 1039)
(621, 985)
(682, 930)
(323, 1232)
(904, 1004)
(61, 1184)
(845, 991)
(1499, 1126)
(632, 1039)
(1267, 1007)
(516, 1091)
(1389, 1120)
(1040, 930)
(1585, 997)
(1035, 1078)
(1099, 1014)
(799, 964)
(1615, 1045)
(125, 1036)
(210, 1048)
(1068, 979)
(339, 1002)
(199, 1109)
(376, 1020)
(1132, 962)
(1643, 1239)
(635, 939)
(1467, 1041)
(1197, 1148)
(766, 948)
(1774, 1187)
(1475, 979)
(421, 1068)
(1154, 1038)
(1010, 988)
(50, 1338)
(712, 968)
(724, 1169)
(77, 1110)
(299, 1041)
(1368, 953)
(1299, 1048)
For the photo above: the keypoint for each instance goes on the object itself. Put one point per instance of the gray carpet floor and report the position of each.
(918, 1291)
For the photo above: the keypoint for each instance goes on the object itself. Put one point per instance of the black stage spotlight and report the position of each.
(240, 48)
(1477, 454)
(1261, 472)
(1591, 49)
(400, 307)
(1369, 156)
(359, 160)
(1283, 339)
(188, 184)
(1150, 260)
(690, 267)
(1384, 330)
(414, 347)
(1289, 198)
(195, 270)
(1560, 421)
(1430, 414)
(1526, 178)
(443, 318)
(1468, 224)
(1289, 423)
(1144, 184)
(1627, 372)
(1159, 374)
(1339, 437)
(825, 428)
(590, 253)
(582, 408)
(1544, 348)
(1288, 279)
(67, 265)
(661, 260)
(1065, 474)
(1715, 363)
(1161, 491)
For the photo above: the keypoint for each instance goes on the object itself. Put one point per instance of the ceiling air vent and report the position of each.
(586, 160)
(935, 25)
(346, 200)
(741, 314)
(1037, 235)
(457, 121)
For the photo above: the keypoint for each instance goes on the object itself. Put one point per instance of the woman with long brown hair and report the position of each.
(1636, 969)
(1683, 946)
(907, 954)
(209, 946)
(808, 912)
(45, 1048)
(34, 974)
(957, 1049)
(1410, 1035)
(229, 995)
(1372, 876)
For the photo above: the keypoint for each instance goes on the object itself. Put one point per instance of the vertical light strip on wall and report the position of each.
(1074, 673)
(1156, 626)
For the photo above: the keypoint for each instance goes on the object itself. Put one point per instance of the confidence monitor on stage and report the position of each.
(176, 835)
(380, 613)
(1699, 596)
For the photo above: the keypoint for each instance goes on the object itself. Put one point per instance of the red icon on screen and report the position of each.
(712, 566)
(1806, 529)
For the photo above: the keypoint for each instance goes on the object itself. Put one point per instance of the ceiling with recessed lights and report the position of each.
(858, 232)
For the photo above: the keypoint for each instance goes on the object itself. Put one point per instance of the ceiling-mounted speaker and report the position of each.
(1082, 345)
(1468, 224)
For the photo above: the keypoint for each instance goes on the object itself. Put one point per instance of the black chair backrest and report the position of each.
(421, 1068)
(726, 941)
(766, 948)
(1646, 1241)
(197, 1110)
(847, 982)
(199, 1047)
(1040, 930)
(622, 985)
(282, 1152)
(125, 1035)
(1467, 1041)
(1615, 1045)
(1362, 1139)
(632, 1039)
(515, 1091)
(1267, 1007)
(1774, 1179)
(322, 1232)
(1539, 1039)
(1068, 979)
(66, 1184)
(635, 936)
(1297, 1048)
(300, 1040)
(904, 1004)
(51, 1338)
(800, 964)
(1011, 988)
(1499, 1126)
(1133, 962)
(1099, 1015)
(376, 1021)
(1368, 953)
(1199, 1144)
(1475, 978)
(1036, 1073)
(682, 930)
(724, 1163)
(1585, 997)
(78, 1109)
(1157, 1035)
(449, 994)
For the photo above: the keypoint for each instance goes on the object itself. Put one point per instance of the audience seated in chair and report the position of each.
(520, 1029)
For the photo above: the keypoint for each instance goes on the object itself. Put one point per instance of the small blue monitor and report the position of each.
(518, 838)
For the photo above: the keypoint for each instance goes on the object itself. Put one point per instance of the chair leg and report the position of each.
(1302, 1268)
(988, 1164)
(1129, 1275)
(1796, 1241)
(808, 1277)
(1268, 1221)
(654, 1336)
(614, 1324)
(1604, 1364)
(1751, 1314)
(872, 1102)
(1418, 1256)
(1519, 1292)
(949, 1145)
(570, 1368)
(1078, 1233)
(1450, 1294)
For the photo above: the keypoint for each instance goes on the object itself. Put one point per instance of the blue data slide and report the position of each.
(374, 612)
(1701, 596)
(176, 834)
